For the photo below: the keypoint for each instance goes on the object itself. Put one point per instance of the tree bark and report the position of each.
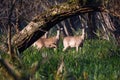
(67, 28)
(42, 23)
(92, 25)
(10, 69)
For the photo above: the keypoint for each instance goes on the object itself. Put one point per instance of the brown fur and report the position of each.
(48, 42)
(73, 41)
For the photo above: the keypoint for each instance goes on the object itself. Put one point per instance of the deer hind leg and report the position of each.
(76, 48)
(53, 46)
(65, 48)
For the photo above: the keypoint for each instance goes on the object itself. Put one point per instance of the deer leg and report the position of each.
(76, 48)
(39, 47)
(53, 46)
(65, 48)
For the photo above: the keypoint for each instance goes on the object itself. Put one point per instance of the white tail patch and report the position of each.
(74, 41)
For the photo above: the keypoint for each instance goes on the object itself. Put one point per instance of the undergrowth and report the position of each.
(98, 60)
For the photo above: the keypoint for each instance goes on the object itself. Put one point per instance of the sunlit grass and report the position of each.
(98, 60)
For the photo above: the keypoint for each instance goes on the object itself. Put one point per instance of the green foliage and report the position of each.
(98, 60)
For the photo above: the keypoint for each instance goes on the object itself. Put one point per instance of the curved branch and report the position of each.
(42, 23)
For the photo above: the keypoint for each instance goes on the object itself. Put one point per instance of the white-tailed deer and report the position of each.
(51, 42)
(74, 41)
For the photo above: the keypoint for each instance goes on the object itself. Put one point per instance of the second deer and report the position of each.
(51, 42)
(74, 41)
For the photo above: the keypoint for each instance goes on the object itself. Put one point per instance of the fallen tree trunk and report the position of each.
(42, 23)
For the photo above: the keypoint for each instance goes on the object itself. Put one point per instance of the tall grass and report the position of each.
(98, 60)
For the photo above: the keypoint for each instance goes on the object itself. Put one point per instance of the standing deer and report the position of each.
(51, 42)
(39, 42)
(74, 41)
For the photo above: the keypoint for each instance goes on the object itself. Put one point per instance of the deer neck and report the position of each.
(46, 35)
(83, 34)
(58, 34)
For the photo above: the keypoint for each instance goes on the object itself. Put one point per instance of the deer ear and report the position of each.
(86, 27)
(60, 29)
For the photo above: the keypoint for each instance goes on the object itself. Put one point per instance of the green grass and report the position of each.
(98, 60)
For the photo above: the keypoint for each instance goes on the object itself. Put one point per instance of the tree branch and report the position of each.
(42, 23)
(10, 69)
